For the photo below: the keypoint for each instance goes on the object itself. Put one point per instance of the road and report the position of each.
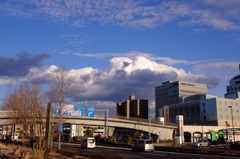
(127, 152)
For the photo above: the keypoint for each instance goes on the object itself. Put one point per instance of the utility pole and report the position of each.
(106, 124)
(226, 130)
(202, 124)
(149, 118)
(48, 130)
(232, 123)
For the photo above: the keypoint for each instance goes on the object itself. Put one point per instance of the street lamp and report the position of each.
(149, 118)
(226, 130)
(202, 125)
(232, 123)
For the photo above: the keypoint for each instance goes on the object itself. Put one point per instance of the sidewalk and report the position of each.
(12, 146)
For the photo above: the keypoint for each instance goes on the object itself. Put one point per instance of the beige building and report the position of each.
(221, 111)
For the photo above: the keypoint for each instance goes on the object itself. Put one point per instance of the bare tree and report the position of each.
(26, 107)
(59, 94)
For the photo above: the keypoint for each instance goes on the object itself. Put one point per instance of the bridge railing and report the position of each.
(152, 121)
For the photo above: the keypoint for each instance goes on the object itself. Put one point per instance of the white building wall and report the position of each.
(218, 109)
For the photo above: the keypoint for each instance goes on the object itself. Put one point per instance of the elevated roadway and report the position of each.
(164, 131)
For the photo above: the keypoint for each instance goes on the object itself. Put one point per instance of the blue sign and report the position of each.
(90, 112)
(68, 114)
(56, 112)
(78, 111)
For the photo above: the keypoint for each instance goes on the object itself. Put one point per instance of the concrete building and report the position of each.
(221, 111)
(133, 107)
(175, 92)
(204, 114)
(190, 109)
(207, 110)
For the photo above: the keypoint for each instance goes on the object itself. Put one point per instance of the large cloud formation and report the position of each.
(134, 73)
(137, 75)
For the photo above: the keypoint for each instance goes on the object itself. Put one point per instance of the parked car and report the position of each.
(235, 145)
(201, 143)
(88, 142)
(143, 145)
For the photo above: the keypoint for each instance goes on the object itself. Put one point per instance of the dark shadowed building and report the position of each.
(133, 107)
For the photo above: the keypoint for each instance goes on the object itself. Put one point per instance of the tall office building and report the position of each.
(133, 107)
(233, 90)
(174, 92)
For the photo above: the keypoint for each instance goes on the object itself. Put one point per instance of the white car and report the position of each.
(201, 143)
(143, 145)
(88, 142)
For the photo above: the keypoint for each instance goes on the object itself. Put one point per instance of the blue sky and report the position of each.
(115, 48)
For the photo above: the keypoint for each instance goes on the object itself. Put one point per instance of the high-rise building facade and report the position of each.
(133, 107)
(233, 90)
(174, 92)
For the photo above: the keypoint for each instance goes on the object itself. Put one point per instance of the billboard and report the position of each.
(74, 111)
(78, 111)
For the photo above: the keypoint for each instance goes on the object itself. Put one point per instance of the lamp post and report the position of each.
(202, 125)
(149, 118)
(232, 123)
(226, 130)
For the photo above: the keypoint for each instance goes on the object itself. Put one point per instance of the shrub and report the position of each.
(98, 138)
(76, 138)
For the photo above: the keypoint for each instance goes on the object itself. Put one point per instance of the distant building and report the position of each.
(233, 90)
(203, 109)
(174, 93)
(133, 107)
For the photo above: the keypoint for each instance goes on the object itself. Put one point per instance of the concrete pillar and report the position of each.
(192, 137)
(111, 131)
(180, 133)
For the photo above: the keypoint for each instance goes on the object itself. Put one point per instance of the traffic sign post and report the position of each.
(90, 112)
